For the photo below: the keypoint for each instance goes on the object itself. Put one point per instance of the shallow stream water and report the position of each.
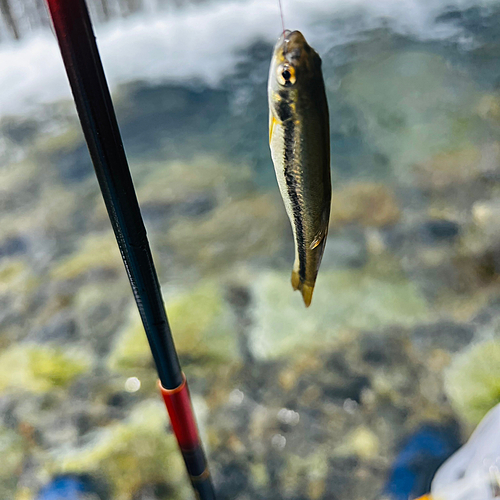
(293, 403)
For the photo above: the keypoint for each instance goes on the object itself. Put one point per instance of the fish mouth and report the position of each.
(284, 36)
(289, 46)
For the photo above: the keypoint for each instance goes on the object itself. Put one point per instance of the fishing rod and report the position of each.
(81, 58)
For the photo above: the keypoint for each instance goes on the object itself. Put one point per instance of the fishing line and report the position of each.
(282, 19)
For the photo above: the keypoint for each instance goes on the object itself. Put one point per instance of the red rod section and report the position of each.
(178, 403)
(180, 410)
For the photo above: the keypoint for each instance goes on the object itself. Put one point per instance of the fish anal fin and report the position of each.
(295, 279)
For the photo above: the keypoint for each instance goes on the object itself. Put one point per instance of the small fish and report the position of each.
(299, 139)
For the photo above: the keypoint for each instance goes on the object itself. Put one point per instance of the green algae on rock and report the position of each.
(65, 139)
(363, 442)
(97, 251)
(472, 381)
(16, 184)
(201, 323)
(37, 368)
(16, 277)
(31, 202)
(129, 454)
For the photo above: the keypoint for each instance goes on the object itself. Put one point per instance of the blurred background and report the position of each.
(362, 395)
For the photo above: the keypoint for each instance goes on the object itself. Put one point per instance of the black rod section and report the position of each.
(95, 109)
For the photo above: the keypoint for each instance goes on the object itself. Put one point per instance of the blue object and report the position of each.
(67, 488)
(418, 460)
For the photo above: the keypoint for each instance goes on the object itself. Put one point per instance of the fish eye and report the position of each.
(286, 75)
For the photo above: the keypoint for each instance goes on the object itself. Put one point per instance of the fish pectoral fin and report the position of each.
(322, 233)
(320, 236)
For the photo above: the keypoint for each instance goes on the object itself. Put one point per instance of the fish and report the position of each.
(299, 139)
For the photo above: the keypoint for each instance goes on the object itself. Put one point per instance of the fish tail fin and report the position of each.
(298, 284)
(307, 293)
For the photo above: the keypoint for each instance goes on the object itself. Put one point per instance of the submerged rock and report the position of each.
(357, 298)
(446, 335)
(96, 252)
(177, 182)
(327, 421)
(19, 189)
(174, 190)
(450, 168)
(98, 311)
(368, 204)
(12, 246)
(439, 231)
(485, 214)
(13, 453)
(233, 233)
